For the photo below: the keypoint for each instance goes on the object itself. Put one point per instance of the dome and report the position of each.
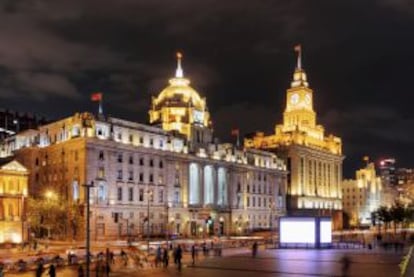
(179, 106)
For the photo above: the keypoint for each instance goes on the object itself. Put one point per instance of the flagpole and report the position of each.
(100, 110)
(238, 139)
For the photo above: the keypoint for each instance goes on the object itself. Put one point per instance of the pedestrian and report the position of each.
(97, 266)
(80, 271)
(112, 257)
(193, 253)
(107, 269)
(165, 257)
(346, 262)
(39, 269)
(179, 255)
(52, 271)
(254, 249)
(158, 256)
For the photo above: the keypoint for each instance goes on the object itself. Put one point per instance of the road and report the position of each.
(279, 262)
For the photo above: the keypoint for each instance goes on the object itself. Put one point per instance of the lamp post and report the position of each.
(88, 239)
(149, 194)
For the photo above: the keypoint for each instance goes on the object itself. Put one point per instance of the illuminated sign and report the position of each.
(325, 230)
(297, 230)
(305, 231)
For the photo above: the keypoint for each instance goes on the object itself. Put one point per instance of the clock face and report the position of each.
(294, 98)
(198, 116)
(307, 99)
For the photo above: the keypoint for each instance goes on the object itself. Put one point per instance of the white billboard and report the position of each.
(297, 230)
(325, 230)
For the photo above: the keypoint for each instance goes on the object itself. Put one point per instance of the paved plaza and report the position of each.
(276, 262)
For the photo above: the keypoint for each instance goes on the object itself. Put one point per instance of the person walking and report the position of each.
(39, 269)
(80, 271)
(346, 262)
(107, 269)
(178, 256)
(158, 256)
(165, 257)
(193, 253)
(52, 271)
(254, 249)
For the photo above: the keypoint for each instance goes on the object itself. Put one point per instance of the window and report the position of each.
(131, 138)
(151, 163)
(151, 178)
(161, 143)
(101, 173)
(161, 165)
(120, 174)
(177, 197)
(119, 136)
(141, 195)
(254, 201)
(131, 159)
(37, 162)
(119, 158)
(141, 161)
(248, 188)
(151, 141)
(141, 177)
(119, 194)
(238, 187)
(141, 140)
(131, 194)
(248, 201)
(264, 202)
(259, 204)
(160, 196)
(130, 175)
(101, 156)
(76, 156)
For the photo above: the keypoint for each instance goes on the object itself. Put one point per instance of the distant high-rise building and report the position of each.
(314, 159)
(12, 122)
(388, 172)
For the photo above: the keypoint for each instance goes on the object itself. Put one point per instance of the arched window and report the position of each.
(75, 189)
(194, 184)
(222, 186)
(208, 185)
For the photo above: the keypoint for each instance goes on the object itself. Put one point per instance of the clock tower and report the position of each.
(313, 159)
(299, 113)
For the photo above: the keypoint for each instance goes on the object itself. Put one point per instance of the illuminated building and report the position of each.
(362, 196)
(180, 108)
(13, 193)
(387, 172)
(194, 187)
(314, 160)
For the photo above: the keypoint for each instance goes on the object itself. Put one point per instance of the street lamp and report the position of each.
(149, 195)
(88, 239)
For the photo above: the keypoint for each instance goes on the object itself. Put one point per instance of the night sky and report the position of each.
(239, 54)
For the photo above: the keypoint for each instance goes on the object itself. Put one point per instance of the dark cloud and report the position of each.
(238, 54)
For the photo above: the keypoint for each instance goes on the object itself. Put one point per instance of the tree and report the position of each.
(52, 217)
(398, 214)
(384, 215)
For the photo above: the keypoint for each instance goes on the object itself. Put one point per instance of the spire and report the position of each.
(298, 49)
(179, 71)
(299, 76)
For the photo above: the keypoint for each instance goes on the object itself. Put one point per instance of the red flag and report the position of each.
(96, 96)
(235, 132)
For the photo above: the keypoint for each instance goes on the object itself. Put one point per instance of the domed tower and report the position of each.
(180, 108)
